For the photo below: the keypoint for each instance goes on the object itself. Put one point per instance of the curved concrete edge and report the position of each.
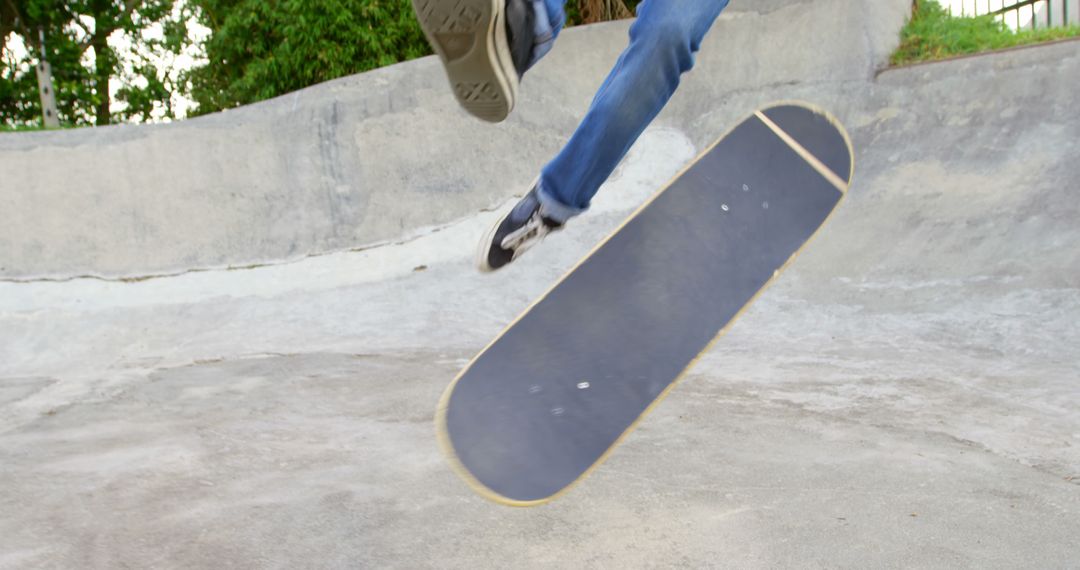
(372, 158)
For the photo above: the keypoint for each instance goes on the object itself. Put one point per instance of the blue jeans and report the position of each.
(663, 41)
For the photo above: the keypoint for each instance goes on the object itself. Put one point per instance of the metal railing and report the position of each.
(1022, 14)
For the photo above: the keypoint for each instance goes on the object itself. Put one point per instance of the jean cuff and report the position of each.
(552, 208)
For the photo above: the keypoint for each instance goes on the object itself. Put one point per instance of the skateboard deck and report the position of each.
(550, 397)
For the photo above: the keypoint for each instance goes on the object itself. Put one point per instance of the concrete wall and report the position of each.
(373, 157)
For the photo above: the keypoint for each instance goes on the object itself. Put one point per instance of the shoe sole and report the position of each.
(484, 248)
(469, 36)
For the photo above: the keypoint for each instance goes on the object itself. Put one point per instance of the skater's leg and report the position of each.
(663, 41)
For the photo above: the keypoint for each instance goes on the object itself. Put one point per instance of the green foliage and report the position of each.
(83, 62)
(19, 99)
(264, 48)
(932, 33)
(143, 100)
(18, 93)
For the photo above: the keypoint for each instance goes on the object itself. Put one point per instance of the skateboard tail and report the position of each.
(840, 183)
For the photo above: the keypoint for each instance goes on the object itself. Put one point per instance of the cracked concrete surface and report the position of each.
(907, 395)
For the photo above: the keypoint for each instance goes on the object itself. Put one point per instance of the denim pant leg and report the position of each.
(663, 41)
(549, 21)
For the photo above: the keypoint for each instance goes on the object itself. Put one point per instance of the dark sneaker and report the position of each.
(484, 45)
(522, 228)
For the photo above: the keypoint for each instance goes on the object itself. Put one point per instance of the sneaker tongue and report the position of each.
(519, 30)
(525, 208)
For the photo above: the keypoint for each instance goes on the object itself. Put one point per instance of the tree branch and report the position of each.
(70, 16)
(79, 22)
(129, 8)
(11, 20)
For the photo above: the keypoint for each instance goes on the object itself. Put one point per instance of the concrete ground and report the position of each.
(225, 348)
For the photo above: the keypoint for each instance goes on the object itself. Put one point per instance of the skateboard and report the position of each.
(546, 402)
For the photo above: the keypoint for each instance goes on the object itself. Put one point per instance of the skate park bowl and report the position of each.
(222, 340)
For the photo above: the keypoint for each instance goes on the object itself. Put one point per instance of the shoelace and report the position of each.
(526, 236)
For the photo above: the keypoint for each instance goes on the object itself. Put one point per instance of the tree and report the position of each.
(263, 48)
(77, 35)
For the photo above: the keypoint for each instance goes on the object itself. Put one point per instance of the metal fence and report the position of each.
(1022, 14)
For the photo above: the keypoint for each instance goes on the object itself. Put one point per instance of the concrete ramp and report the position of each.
(222, 340)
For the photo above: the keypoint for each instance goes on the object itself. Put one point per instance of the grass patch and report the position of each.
(932, 33)
(19, 129)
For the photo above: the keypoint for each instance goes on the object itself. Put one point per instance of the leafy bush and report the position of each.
(259, 49)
